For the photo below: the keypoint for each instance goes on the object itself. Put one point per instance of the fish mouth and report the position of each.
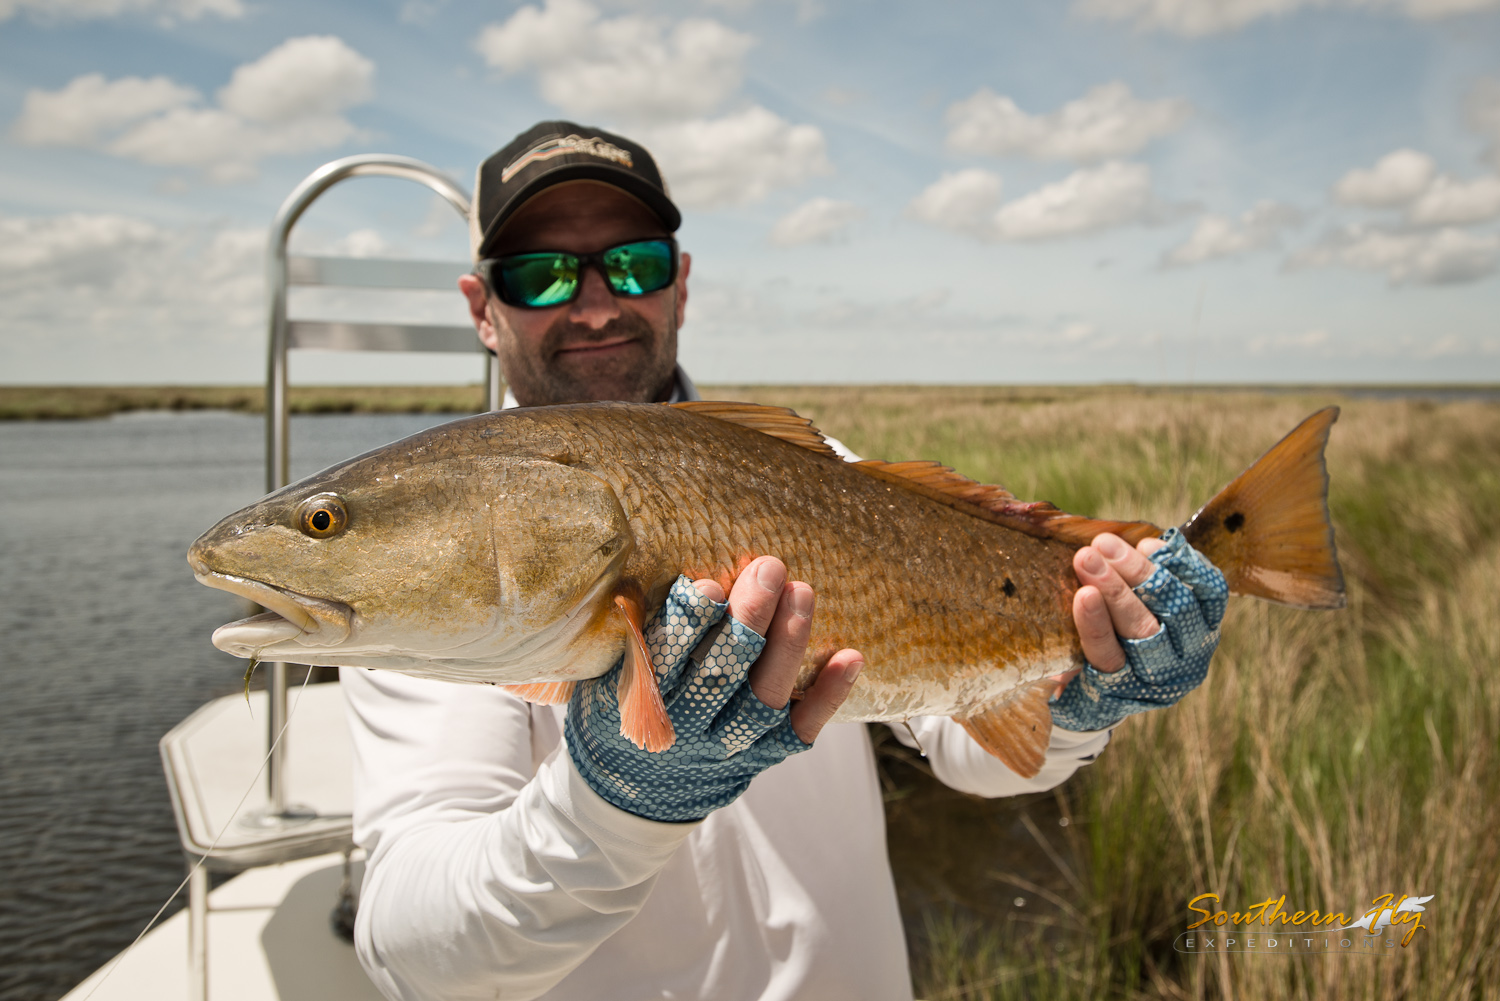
(292, 617)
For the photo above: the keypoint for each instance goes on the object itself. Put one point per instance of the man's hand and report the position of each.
(762, 600)
(1155, 609)
(726, 675)
(1105, 608)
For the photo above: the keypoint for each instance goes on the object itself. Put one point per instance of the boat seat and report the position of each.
(217, 755)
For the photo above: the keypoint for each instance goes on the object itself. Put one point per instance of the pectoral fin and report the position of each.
(643, 714)
(1017, 730)
(543, 693)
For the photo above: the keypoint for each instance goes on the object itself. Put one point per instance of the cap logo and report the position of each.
(593, 146)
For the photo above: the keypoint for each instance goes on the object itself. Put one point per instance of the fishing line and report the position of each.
(913, 735)
(114, 963)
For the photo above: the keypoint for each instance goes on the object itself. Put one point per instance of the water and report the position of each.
(103, 648)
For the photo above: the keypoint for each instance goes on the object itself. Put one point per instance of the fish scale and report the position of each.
(903, 578)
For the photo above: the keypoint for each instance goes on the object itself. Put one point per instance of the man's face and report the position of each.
(599, 346)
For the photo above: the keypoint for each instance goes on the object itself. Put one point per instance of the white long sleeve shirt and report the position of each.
(494, 871)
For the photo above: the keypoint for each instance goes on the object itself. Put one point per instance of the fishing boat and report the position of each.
(265, 796)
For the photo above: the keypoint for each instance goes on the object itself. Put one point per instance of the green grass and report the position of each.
(1331, 756)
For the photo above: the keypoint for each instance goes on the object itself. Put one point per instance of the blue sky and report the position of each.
(1099, 190)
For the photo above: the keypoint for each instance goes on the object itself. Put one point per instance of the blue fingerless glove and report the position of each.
(725, 735)
(1187, 594)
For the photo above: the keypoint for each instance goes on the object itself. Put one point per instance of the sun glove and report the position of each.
(1188, 595)
(725, 734)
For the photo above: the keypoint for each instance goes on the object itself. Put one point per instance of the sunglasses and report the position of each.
(552, 277)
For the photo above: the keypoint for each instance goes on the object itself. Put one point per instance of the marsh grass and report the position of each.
(1330, 756)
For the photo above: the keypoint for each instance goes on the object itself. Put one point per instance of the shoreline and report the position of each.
(22, 403)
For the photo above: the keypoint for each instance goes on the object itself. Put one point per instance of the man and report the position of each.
(519, 850)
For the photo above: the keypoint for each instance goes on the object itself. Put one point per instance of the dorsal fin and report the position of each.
(992, 503)
(778, 422)
(940, 478)
(931, 479)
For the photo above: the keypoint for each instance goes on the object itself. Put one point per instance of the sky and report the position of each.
(1038, 191)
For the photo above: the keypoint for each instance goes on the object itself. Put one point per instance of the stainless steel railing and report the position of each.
(282, 271)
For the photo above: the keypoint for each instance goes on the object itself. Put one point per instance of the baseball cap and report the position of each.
(549, 153)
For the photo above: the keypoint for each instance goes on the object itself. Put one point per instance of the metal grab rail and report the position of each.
(301, 198)
(358, 272)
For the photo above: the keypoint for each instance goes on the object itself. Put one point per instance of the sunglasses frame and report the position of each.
(485, 266)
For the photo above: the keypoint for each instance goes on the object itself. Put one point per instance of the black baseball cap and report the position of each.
(549, 153)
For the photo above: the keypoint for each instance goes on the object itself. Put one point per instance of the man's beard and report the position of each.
(641, 372)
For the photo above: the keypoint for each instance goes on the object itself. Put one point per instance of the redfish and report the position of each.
(527, 548)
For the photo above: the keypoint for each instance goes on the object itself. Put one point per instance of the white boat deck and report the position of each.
(269, 938)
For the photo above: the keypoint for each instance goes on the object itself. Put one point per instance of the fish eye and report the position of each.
(322, 516)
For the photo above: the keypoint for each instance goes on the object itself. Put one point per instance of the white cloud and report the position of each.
(1218, 236)
(1409, 178)
(632, 66)
(964, 201)
(1396, 179)
(68, 244)
(112, 278)
(1482, 112)
(1196, 18)
(288, 101)
(1107, 121)
(1085, 201)
(1440, 257)
(1093, 198)
(664, 78)
(90, 106)
(1449, 202)
(308, 77)
(821, 220)
(738, 158)
(81, 10)
(361, 243)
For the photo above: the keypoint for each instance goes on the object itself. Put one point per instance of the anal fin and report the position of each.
(1018, 729)
(643, 714)
(543, 693)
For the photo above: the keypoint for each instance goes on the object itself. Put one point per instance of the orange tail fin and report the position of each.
(643, 714)
(1269, 532)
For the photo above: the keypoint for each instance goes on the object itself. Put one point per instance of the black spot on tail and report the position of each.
(1234, 522)
(1009, 588)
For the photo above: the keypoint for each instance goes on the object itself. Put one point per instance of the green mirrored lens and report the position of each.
(639, 268)
(539, 279)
